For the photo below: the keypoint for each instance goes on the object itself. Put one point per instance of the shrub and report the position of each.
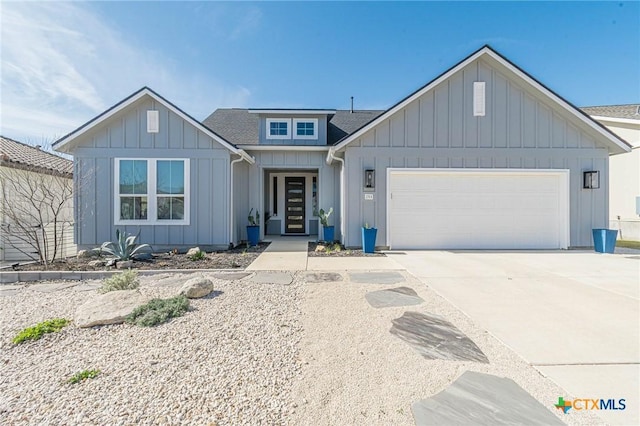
(38, 330)
(124, 247)
(199, 255)
(158, 311)
(127, 280)
(82, 375)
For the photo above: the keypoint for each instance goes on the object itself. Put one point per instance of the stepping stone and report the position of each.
(433, 337)
(376, 277)
(87, 287)
(400, 296)
(482, 399)
(9, 290)
(322, 277)
(283, 278)
(231, 276)
(50, 288)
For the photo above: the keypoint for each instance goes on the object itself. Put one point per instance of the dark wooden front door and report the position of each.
(294, 205)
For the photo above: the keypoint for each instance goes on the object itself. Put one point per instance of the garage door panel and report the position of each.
(514, 209)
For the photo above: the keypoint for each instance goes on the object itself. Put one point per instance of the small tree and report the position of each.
(36, 208)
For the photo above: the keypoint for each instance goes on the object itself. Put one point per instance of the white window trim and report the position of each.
(152, 196)
(305, 120)
(278, 120)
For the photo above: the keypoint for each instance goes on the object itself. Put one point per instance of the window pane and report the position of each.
(304, 128)
(133, 208)
(278, 128)
(170, 177)
(133, 176)
(170, 208)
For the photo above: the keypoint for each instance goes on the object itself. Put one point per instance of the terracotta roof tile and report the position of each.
(12, 151)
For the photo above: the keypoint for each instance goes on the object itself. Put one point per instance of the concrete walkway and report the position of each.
(283, 254)
(288, 253)
(572, 315)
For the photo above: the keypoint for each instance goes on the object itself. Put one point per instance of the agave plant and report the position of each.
(124, 247)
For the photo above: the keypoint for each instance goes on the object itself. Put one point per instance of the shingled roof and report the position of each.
(240, 127)
(20, 155)
(631, 111)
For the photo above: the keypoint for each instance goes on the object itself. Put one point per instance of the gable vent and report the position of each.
(478, 99)
(153, 121)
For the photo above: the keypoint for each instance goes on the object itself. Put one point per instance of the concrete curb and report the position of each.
(30, 276)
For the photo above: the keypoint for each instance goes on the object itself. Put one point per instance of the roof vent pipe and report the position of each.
(352, 105)
(637, 109)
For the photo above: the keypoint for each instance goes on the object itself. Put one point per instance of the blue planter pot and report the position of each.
(328, 233)
(604, 240)
(369, 239)
(253, 235)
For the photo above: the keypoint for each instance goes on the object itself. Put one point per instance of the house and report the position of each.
(36, 205)
(483, 156)
(624, 169)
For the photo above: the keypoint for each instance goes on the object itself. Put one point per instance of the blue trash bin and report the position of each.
(604, 240)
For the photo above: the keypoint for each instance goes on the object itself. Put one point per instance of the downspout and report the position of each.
(243, 157)
(330, 157)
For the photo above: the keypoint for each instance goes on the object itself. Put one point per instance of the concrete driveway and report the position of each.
(573, 315)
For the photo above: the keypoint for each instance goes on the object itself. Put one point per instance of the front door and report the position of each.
(294, 206)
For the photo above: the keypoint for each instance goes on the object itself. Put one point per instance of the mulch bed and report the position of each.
(237, 258)
(329, 250)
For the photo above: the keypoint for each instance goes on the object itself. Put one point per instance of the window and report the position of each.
(152, 191)
(278, 128)
(305, 128)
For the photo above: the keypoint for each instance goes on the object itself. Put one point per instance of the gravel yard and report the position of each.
(250, 353)
(230, 360)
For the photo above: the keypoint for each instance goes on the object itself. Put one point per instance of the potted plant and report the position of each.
(327, 231)
(369, 238)
(253, 229)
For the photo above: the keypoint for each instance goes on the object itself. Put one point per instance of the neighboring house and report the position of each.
(484, 156)
(32, 183)
(624, 169)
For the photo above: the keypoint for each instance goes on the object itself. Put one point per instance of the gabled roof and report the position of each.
(616, 141)
(630, 111)
(240, 126)
(23, 156)
(63, 144)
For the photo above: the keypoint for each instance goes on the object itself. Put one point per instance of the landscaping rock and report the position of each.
(108, 308)
(84, 254)
(97, 263)
(193, 251)
(143, 256)
(320, 247)
(197, 287)
(125, 264)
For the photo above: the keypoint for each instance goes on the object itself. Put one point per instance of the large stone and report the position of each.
(386, 277)
(322, 277)
(197, 287)
(482, 399)
(108, 308)
(433, 337)
(400, 296)
(193, 251)
(124, 264)
(97, 263)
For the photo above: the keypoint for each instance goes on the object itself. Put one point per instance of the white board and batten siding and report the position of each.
(477, 209)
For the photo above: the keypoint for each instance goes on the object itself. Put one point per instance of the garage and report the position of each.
(477, 209)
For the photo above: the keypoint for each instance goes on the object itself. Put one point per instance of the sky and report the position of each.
(64, 63)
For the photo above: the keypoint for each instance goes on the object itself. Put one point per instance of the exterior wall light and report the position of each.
(591, 180)
(369, 179)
